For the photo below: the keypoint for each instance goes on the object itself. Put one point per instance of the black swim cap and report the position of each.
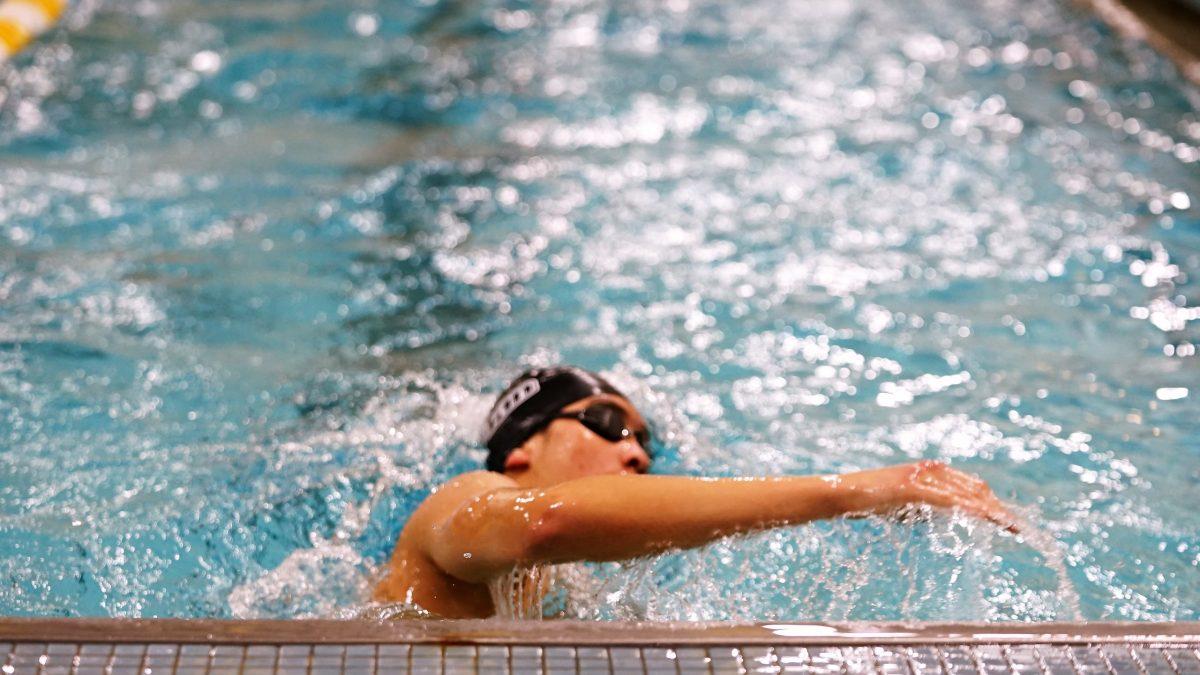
(530, 402)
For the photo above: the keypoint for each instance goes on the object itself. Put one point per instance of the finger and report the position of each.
(998, 514)
(965, 481)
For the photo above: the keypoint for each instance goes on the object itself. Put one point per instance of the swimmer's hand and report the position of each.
(936, 484)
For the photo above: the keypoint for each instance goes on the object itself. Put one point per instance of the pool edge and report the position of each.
(565, 632)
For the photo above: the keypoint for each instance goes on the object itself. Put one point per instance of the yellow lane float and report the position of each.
(23, 20)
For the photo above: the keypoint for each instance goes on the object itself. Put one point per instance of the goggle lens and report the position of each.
(608, 421)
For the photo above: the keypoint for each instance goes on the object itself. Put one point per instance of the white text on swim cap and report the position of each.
(504, 407)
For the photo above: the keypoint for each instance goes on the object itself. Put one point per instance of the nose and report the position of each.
(634, 458)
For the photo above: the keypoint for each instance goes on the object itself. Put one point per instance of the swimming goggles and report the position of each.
(608, 422)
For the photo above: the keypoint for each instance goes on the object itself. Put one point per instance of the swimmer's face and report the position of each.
(566, 449)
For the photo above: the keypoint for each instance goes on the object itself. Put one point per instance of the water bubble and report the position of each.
(205, 62)
(363, 24)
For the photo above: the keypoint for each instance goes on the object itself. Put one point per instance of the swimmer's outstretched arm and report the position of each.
(617, 517)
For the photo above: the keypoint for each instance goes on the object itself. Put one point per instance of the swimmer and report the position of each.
(566, 481)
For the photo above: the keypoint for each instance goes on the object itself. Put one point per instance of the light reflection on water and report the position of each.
(261, 265)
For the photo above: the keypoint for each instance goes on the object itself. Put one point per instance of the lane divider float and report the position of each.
(24, 20)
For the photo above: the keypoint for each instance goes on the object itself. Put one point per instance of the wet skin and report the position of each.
(568, 494)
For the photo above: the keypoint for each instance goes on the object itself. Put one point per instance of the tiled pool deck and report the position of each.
(38, 646)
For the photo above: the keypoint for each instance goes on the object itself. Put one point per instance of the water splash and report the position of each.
(315, 581)
(526, 593)
(948, 568)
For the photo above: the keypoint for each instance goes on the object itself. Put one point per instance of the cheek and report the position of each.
(581, 453)
(570, 447)
(586, 457)
(597, 456)
(584, 451)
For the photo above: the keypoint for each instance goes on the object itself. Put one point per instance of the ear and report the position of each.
(518, 460)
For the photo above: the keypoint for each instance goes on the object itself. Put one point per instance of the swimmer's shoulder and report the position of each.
(452, 494)
(470, 484)
(413, 575)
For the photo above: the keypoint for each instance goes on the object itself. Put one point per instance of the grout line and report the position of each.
(42, 659)
(1166, 654)
(1104, 657)
(976, 658)
(1037, 653)
(875, 668)
(942, 660)
(1073, 660)
(112, 656)
(1007, 653)
(175, 661)
(1137, 661)
(74, 669)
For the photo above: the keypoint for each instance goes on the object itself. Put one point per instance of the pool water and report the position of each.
(264, 264)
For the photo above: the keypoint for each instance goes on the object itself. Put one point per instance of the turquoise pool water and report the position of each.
(263, 265)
